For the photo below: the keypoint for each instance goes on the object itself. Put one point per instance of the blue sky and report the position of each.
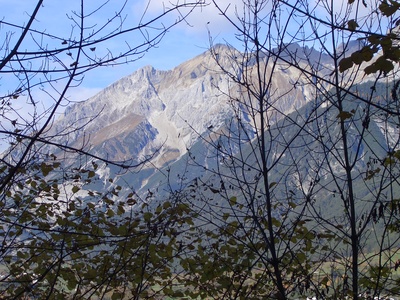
(180, 44)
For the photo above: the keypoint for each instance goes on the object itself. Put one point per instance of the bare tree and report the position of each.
(300, 198)
(42, 70)
(299, 194)
(58, 241)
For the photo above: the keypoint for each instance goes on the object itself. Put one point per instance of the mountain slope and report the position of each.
(138, 114)
(160, 115)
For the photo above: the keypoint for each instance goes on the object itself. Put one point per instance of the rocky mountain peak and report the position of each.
(150, 108)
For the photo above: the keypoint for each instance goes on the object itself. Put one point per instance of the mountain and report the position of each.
(139, 113)
(159, 116)
(150, 108)
(216, 189)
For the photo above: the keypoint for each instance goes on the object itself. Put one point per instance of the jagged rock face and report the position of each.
(149, 109)
(174, 115)
(145, 110)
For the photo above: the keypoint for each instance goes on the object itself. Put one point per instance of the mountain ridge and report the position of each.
(157, 115)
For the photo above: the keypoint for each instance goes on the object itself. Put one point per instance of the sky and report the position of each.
(181, 43)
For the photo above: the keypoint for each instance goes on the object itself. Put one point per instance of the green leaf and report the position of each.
(357, 58)
(45, 169)
(120, 210)
(20, 254)
(389, 161)
(110, 213)
(276, 222)
(166, 205)
(178, 294)
(367, 53)
(147, 216)
(232, 242)
(344, 115)
(75, 189)
(71, 284)
(272, 184)
(233, 201)
(381, 64)
(345, 64)
(33, 184)
(397, 154)
(189, 221)
(225, 216)
(352, 25)
(131, 201)
(117, 295)
(301, 257)
(389, 9)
